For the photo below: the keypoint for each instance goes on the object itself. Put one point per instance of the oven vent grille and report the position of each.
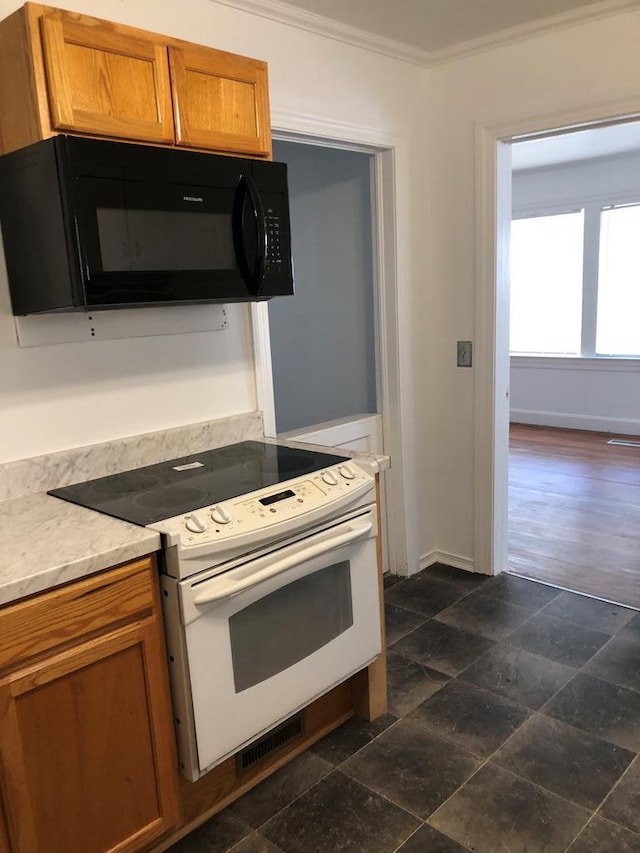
(269, 743)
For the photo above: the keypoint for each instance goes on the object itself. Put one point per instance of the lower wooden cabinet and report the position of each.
(87, 752)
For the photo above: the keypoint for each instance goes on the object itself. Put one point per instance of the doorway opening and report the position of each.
(539, 476)
(574, 498)
(386, 158)
(324, 350)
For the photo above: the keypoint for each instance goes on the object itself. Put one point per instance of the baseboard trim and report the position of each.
(592, 423)
(448, 559)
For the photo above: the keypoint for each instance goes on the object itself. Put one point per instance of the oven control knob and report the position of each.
(347, 472)
(194, 523)
(220, 515)
(330, 478)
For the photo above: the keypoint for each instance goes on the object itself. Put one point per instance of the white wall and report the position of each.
(599, 394)
(616, 177)
(593, 394)
(580, 70)
(62, 396)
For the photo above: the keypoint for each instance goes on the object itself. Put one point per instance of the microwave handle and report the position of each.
(248, 190)
(226, 587)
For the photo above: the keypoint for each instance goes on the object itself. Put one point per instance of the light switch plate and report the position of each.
(464, 354)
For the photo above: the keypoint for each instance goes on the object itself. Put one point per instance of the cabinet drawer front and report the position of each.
(102, 81)
(221, 101)
(56, 618)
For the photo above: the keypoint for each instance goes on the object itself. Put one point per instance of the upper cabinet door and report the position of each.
(104, 82)
(220, 101)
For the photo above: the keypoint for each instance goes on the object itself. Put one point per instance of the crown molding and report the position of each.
(283, 13)
(290, 123)
(503, 38)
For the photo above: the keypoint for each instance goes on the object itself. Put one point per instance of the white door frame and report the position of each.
(390, 186)
(491, 405)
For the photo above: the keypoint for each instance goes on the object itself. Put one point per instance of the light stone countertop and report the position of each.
(47, 541)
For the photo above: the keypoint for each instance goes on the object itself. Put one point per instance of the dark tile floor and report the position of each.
(513, 727)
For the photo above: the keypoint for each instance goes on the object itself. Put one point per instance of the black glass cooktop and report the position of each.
(155, 492)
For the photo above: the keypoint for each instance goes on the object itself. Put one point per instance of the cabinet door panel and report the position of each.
(85, 742)
(221, 101)
(104, 82)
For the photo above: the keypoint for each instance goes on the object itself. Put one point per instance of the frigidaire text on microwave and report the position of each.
(90, 224)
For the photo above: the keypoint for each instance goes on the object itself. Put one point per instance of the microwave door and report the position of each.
(154, 242)
(249, 234)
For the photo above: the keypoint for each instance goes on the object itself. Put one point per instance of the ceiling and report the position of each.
(437, 26)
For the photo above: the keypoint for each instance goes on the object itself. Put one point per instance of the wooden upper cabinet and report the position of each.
(220, 100)
(104, 82)
(66, 72)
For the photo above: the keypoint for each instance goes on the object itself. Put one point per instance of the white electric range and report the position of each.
(269, 585)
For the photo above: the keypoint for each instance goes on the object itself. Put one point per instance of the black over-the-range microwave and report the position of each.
(90, 224)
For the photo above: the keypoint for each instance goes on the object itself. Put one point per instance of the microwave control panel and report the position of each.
(274, 250)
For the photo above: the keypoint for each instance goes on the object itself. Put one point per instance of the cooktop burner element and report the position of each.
(156, 492)
(293, 465)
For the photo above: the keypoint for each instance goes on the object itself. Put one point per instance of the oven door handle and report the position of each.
(225, 587)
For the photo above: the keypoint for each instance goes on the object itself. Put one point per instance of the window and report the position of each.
(618, 326)
(575, 282)
(546, 283)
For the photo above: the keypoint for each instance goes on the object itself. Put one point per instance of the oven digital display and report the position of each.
(272, 499)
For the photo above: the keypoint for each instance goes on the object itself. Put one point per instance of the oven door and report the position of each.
(266, 638)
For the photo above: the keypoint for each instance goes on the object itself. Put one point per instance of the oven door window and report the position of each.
(283, 628)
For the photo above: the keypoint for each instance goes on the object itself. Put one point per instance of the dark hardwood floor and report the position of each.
(574, 511)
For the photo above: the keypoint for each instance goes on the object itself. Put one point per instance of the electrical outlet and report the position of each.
(464, 353)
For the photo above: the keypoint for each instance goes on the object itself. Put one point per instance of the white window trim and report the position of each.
(592, 206)
(569, 204)
(602, 363)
